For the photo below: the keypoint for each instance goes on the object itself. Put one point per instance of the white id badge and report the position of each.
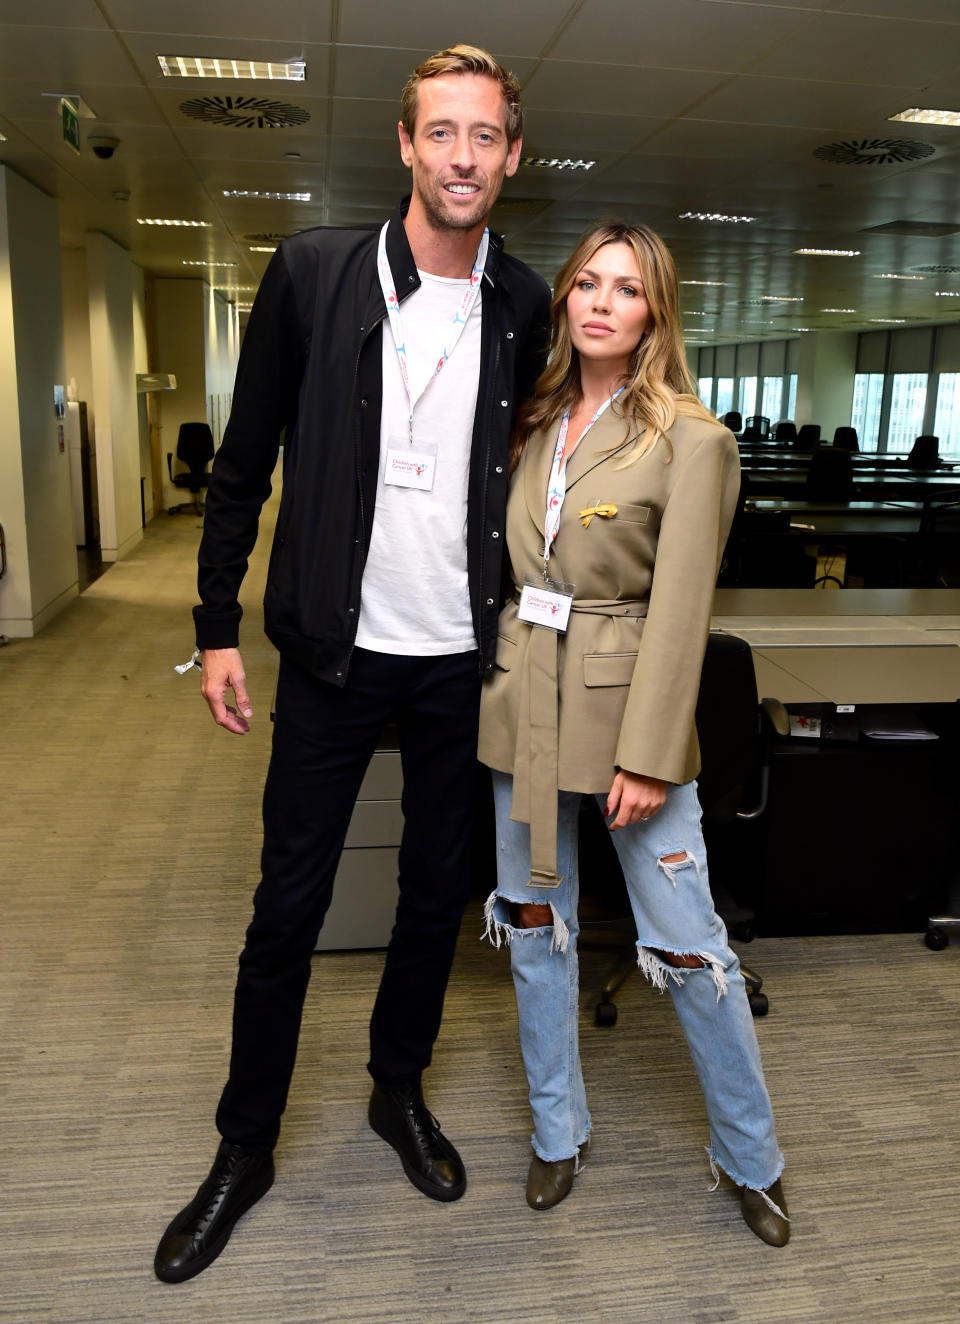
(546, 602)
(410, 466)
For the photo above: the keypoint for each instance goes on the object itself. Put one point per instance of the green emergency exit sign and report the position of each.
(70, 125)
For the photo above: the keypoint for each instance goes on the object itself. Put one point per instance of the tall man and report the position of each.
(392, 361)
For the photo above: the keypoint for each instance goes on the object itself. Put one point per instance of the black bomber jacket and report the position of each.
(310, 372)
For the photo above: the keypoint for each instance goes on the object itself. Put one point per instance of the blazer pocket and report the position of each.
(506, 652)
(629, 514)
(607, 668)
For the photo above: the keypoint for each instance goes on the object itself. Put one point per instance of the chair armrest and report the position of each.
(170, 464)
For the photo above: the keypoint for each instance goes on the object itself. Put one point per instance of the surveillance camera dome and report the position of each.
(103, 148)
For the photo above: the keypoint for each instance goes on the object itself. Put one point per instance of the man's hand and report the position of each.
(222, 670)
(633, 798)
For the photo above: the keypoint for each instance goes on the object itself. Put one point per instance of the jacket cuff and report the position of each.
(217, 629)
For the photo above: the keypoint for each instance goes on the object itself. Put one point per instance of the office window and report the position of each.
(867, 395)
(947, 424)
(907, 402)
(705, 390)
(724, 396)
(772, 398)
(791, 409)
(747, 397)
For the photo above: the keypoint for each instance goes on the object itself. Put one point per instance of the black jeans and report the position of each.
(323, 740)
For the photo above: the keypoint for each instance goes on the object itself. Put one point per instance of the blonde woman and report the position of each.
(622, 499)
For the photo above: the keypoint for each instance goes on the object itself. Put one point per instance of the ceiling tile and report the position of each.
(292, 21)
(501, 26)
(676, 34)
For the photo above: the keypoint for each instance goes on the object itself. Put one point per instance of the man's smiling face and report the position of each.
(458, 152)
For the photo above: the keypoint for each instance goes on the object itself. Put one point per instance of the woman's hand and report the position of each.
(633, 798)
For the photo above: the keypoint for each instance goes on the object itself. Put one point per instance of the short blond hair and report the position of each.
(464, 60)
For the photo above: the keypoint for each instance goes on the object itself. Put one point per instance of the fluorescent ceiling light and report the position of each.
(198, 225)
(888, 321)
(3, 137)
(827, 252)
(205, 66)
(800, 328)
(692, 312)
(263, 248)
(781, 298)
(205, 262)
(238, 289)
(264, 193)
(893, 275)
(838, 310)
(703, 282)
(715, 216)
(556, 163)
(917, 115)
(947, 294)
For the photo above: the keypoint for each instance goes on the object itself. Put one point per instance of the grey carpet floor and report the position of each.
(128, 850)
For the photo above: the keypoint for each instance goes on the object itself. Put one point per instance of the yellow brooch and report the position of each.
(607, 510)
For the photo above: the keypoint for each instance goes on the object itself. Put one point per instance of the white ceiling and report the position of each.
(705, 105)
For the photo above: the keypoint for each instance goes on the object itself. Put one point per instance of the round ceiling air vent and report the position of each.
(937, 269)
(874, 151)
(245, 112)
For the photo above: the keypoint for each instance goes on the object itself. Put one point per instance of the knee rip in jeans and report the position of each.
(506, 920)
(677, 860)
(657, 964)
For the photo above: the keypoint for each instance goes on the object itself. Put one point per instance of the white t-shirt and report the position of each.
(414, 599)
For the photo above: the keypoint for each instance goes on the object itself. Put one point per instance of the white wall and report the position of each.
(197, 340)
(826, 370)
(35, 504)
(112, 281)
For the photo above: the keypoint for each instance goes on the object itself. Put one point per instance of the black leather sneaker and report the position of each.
(399, 1116)
(199, 1232)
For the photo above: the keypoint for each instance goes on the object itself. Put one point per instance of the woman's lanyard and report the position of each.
(456, 328)
(557, 486)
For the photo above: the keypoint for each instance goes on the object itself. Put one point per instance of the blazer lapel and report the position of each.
(536, 474)
(605, 441)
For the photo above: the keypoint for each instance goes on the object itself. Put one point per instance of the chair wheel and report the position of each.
(744, 931)
(759, 1003)
(606, 1014)
(936, 938)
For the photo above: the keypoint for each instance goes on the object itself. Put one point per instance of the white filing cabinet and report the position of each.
(364, 901)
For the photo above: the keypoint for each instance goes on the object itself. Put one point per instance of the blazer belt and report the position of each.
(602, 607)
(536, 760)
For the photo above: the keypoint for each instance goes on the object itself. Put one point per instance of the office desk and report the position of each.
(838, 518)
(839, 848)
(776, 481)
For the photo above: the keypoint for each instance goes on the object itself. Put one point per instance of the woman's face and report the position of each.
(607, 308)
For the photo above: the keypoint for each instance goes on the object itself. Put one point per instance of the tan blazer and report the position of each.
(619, 689)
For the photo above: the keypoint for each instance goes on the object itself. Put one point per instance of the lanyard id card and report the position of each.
(410, 466)
(546, 602)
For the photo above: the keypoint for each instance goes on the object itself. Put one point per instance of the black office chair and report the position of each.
(846, 439)
(830, 475)
(757, 423)
(808, 438)
(735, 732)
(195, 450)
(786, 432)
(733, 421)
(925, 452)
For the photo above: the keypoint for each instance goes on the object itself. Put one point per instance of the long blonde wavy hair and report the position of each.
(659, 386)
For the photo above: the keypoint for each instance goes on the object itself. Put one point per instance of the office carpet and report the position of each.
(128, 848)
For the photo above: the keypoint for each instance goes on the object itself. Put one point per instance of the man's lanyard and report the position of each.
(456, 329)
(557, 486)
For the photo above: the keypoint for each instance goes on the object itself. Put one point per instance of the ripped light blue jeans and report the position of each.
(674, 913)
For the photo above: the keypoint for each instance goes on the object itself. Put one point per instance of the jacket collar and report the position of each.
(401, 259)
